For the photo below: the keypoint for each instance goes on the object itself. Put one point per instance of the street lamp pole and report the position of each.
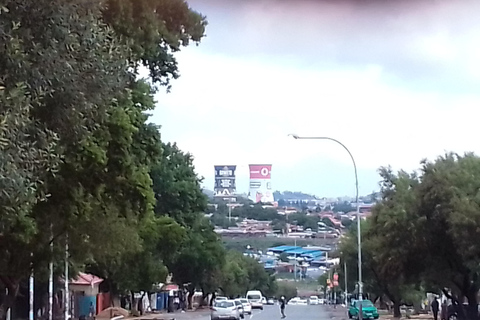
(359, 237)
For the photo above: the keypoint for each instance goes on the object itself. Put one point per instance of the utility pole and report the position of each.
(9, 311)
(346, 287)
(67, 277)
(50, 279)
(295, 263)
(230, 211)
(31, 292)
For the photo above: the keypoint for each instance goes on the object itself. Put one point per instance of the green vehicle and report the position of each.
(369, 310)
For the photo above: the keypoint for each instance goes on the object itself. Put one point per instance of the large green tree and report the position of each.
(449, 213)
(241, 274)
(76, 150)
(388, 237)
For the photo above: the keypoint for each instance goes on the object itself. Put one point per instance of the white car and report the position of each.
(314, 300)
(302, 302)
(293, 301)
(226, 309)
(247, 307)
(220, 298)
(255, 298)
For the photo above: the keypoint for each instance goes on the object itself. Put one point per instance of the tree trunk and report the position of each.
(9, 300)
(133, 305)
(191, 292)
(396, 310)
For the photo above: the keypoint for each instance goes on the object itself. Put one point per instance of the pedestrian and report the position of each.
(443, 312)
(282, 306)
(91, 311)
(435, 306)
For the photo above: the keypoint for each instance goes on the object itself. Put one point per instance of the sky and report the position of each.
(394, 81)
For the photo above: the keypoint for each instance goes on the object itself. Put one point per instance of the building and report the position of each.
(260, 189)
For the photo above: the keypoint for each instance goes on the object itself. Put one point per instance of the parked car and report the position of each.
(293, 301)
(226, 309)
(313, 300)
(302, 301)
(264, 300)
(270, 301)
(247, 307)
(368, 309)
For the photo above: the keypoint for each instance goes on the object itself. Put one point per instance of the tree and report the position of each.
(284, 257)
(71, 102)
(138, 271)
(61, 75)
(155, 30)
(387, 239)
(241, 274)
(343, 207)
(449, 217)
(201, 257)
(177, 187)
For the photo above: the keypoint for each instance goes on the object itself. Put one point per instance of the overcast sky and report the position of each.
(395, 82)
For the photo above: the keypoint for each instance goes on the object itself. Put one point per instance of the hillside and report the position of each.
(290, 195)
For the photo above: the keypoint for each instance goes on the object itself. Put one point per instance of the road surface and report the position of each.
(293, 312)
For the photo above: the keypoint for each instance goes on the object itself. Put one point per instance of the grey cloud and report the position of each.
(343, 34)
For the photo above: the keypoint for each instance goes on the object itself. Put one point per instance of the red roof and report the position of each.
(86, 279)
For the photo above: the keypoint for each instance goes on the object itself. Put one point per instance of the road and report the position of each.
(293, 312)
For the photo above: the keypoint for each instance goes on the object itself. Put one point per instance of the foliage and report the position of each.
(283, 257)
(76, 150)
(286, 289)
(448, 215)
(241, 274)
(155, 30)
(304, 220)
(177, 187)
(387, 239)
(343, 207)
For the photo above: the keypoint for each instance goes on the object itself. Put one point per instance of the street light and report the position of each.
(359, 237)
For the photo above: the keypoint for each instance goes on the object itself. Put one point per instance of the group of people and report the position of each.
(435, 306)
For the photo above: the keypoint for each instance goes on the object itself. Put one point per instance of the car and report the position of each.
(313, 300)
(270, 301)
(220, 298)
(264, 300)
(226, 309)
(255, 298)
(247, 307)
(240, 307)
(293, 301)
(368, 309)
(302, 302)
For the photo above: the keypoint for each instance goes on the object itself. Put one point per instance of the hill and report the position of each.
(293, 195)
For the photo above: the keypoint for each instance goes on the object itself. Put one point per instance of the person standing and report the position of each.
(282, 306)
(435, 307)
(443, 312)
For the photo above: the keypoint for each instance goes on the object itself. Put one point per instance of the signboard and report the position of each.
(225, 181)
(260, 185)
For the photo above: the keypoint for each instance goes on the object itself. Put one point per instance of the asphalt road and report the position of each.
(273, 312)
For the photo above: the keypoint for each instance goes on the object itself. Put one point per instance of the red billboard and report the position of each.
(260, 171)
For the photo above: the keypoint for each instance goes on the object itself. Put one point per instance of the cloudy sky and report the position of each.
(395, 81)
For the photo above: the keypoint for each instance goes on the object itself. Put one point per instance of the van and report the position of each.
(255, 298)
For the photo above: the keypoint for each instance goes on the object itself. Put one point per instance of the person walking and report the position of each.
(282, 306)
(443, 312)
(435, 307)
